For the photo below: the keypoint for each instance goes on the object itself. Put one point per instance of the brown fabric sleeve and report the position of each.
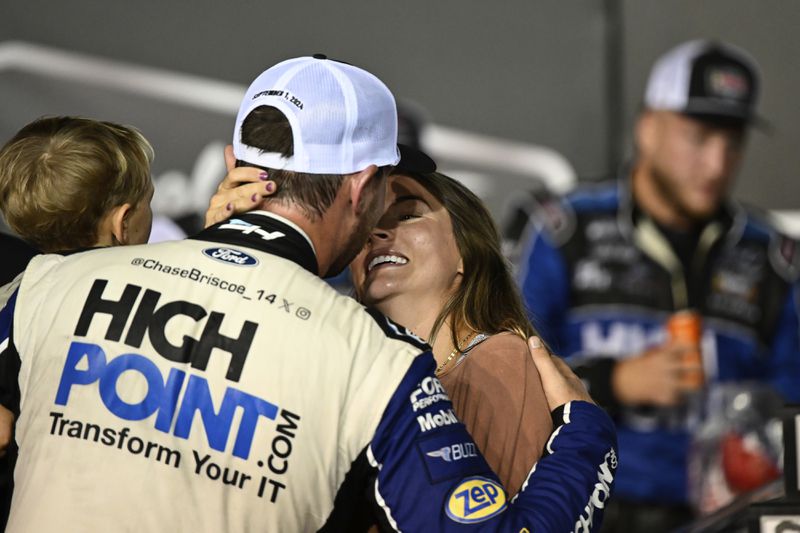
(497, 393)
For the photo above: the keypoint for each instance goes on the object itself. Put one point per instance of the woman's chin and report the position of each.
(380, 298)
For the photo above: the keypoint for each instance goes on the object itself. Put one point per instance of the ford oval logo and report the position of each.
(230, 256)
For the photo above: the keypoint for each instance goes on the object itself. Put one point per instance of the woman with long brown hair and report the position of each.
(434, 264)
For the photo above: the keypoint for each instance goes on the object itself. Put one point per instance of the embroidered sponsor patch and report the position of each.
(476, 499)
(784, 255)
(429, 392)
(246, 228)
(230, 256)
(450, 455)
(728, 83)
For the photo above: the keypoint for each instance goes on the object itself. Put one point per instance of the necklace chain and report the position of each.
(455, 351)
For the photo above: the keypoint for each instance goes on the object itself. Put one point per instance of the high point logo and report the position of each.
(176, 398)
(230, 256)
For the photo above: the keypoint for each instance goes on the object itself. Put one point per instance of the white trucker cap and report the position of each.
(343, 118)
(706, 79)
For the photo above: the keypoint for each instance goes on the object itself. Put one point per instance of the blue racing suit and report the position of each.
(600, 279)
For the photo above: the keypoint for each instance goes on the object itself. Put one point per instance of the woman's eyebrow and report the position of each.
(409, 198)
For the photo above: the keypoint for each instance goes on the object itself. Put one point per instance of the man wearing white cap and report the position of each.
(604, 269)
(218, 384)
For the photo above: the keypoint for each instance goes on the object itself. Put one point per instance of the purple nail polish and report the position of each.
(229, 207)
(263, 176)
(270, 186)
(253, 198)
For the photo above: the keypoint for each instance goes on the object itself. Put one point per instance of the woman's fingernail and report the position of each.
(263, 176)
(270, 186)
(229, 207)
(535, 343)
(254, 197)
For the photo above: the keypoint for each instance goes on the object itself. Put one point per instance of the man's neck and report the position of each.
(288, 222)
(319, 231)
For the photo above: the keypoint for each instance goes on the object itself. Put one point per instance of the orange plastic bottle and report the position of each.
(686, 328)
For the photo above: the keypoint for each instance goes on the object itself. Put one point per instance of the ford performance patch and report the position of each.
(230, 256)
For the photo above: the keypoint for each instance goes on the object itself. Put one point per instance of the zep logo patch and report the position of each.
(476, 499)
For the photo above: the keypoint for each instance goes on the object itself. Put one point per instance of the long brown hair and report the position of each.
(487, 300)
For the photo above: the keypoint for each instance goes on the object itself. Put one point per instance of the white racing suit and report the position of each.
(217, 384)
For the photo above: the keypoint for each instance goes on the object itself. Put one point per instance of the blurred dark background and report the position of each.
(514, 92)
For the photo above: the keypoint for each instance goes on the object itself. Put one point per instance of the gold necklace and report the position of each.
(456, 350)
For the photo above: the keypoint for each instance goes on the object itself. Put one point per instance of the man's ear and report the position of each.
(230, 159)
(114, 229)
(360, 187)
(645, 132)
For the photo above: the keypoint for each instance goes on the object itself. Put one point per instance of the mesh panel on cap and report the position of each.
(343, 118)
(311, 116)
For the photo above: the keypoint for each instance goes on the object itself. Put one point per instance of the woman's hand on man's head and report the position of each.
(240, 191)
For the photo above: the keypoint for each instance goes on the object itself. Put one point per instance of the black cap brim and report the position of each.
(414, 160)
(731, 121)
(725, 116)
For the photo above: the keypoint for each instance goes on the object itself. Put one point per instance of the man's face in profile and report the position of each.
(693, 162)
(374, 201)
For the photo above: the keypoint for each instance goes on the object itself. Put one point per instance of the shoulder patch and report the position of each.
(538, 211)
(557, 215)
(449, 455)
(784, 255)
(396, 331)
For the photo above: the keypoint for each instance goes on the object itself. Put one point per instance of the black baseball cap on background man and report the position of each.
(708, 80)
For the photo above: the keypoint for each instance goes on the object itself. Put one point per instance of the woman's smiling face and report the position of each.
(412, 250)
